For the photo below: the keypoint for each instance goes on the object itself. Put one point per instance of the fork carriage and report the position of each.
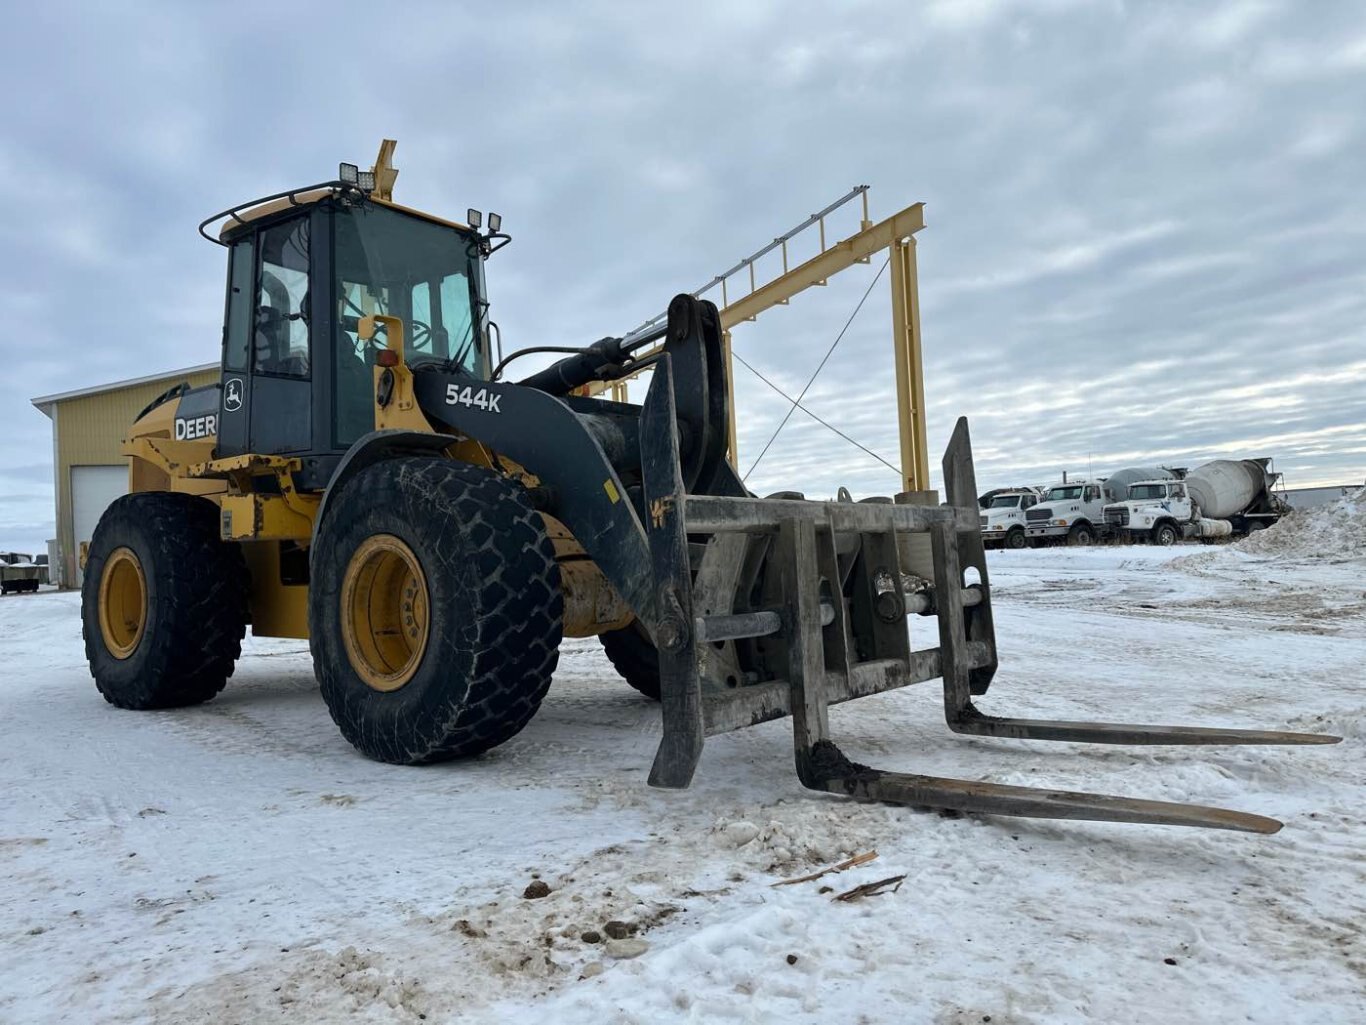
(765, 608)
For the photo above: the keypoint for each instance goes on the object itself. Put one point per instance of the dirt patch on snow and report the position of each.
(1330, 538)
(511, 945)
(310, 985)
(583, 921)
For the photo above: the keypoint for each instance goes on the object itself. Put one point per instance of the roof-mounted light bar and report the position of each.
(353, 175)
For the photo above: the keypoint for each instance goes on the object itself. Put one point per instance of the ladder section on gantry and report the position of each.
(896, 234)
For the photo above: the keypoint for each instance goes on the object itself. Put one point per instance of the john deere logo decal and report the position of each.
(190, 428)
(232, 395)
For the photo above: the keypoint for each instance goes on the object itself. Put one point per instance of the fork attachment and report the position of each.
(771, 607)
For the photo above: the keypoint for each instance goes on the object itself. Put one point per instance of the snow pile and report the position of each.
(1333, 531)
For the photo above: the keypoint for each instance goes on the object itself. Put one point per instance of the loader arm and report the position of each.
(564, 450)
(586, 451)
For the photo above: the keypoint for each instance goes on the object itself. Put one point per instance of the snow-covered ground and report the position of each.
(238, 862)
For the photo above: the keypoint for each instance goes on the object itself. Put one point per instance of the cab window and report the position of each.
(281, 335)
(407, 267)
(237, 320)
(442, 324)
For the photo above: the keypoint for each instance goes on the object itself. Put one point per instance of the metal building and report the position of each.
(1308, 498)
(89, 472)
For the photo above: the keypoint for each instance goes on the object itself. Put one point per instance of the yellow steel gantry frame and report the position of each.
(895, 234)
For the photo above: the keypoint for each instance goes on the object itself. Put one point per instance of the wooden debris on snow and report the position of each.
(854, 862)
(871, 889)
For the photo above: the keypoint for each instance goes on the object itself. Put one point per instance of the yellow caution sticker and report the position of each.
(611, 490)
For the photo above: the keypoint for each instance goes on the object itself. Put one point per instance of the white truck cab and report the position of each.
(1072, 512)
(1003, 517)
(1153, 510)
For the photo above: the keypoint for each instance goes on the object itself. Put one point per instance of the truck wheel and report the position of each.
(634, 657)
(1015, 538)
(435, 613)
(163, 602)
(1081, 536)
(1164, 534)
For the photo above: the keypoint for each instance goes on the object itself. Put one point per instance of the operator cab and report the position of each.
(303, 268)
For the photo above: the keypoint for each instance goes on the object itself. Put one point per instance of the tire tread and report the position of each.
(202, 584)
(486, 520)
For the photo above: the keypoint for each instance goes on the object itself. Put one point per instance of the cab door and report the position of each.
(265, 400)
(280, 404)
(233, 391)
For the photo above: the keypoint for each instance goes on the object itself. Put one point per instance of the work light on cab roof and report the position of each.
(353, 175)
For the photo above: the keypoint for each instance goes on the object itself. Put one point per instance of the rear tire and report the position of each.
(435, 612)
(634, 657)
(1081, 536)
(163, 602)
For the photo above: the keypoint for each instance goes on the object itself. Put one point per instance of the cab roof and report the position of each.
(238, 218)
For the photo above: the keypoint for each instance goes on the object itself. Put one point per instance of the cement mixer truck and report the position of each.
(1073, 512)
(1223, 498)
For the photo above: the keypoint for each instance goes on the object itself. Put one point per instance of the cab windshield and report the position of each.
(403, 266)
(1005, 502)
(1064, 494)
(1140, 491)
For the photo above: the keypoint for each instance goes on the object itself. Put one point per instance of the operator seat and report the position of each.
(273, 352)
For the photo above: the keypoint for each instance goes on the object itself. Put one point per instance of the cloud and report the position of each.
(1147, 235)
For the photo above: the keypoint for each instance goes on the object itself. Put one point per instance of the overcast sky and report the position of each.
(1146, 229)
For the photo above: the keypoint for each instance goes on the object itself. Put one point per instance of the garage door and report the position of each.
(92, 489)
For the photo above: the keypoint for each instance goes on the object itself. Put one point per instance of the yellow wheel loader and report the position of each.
(368, 475)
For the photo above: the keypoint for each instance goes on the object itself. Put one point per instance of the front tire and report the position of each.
(1164, 535)
(435, 612)
(163, 602)
(1016, 538)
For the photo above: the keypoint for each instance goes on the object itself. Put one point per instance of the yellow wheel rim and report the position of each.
(384, 612)
(123, 602)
